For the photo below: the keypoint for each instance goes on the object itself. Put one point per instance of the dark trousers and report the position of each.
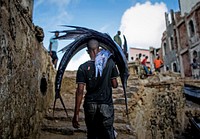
(99, 119)
(147, 70)
(157, 70)
(54, 56)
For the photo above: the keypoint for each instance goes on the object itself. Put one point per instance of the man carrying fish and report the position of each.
(99, 75)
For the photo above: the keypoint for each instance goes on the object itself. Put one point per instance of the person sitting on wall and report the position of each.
(144, 61)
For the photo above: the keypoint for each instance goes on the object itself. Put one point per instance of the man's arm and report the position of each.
(50, 48)
(114, 75)
(161, 61)
(78, 101)
(114, 83)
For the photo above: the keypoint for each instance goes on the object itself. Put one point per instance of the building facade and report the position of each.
(181, 40)
(186, 6)
(169, 45)
(188, 34)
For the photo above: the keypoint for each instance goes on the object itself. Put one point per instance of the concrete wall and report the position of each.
(186, 64)
(183, 36)
(24, 62)
(157, 109)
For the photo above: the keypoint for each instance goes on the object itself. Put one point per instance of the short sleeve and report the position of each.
(80, 75)
(51, 40)
(115, 72)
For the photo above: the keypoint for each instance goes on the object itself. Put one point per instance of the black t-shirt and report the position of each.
(99, 89)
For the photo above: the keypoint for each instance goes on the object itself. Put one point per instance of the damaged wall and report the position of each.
(24, 62)
(157, 108)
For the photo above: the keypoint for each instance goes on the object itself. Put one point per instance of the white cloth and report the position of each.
(100, 61)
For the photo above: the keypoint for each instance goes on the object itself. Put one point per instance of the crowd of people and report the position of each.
(142, 64)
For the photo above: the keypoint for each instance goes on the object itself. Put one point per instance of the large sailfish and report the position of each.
(81, 36)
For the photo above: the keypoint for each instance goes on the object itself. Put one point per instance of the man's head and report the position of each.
(57, 33)
(92, 45)
(119, 32)
(140, 55)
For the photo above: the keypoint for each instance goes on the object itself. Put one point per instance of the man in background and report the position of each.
(158, 63)
(53, 46)
(144, 64)
(117, 38)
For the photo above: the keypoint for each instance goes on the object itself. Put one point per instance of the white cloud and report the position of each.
(78, 59)
(143, 24)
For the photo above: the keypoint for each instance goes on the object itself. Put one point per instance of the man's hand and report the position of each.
(75, 121)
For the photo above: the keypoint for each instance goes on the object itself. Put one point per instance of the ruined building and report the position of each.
(181, 40)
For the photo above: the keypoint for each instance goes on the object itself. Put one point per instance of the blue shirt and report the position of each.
(54, 45)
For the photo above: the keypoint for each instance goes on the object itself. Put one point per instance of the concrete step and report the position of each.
(66, 128)
(48, 135)
(124, 128)
(119, 117)
(61, 127)
(119, 108)
(59, 114)
(120, 101)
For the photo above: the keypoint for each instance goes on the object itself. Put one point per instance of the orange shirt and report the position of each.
(158, 63)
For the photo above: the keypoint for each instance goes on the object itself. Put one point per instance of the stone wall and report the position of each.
(157, 109)
(24, 61)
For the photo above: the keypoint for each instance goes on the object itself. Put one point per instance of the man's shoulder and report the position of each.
(110, 59)
(86, 64)
(111, 62)
(116, 36)
(53, 38)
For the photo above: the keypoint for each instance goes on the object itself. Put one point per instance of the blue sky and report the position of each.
(141, 21)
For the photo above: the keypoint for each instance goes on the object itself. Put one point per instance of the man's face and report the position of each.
(57, 34)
